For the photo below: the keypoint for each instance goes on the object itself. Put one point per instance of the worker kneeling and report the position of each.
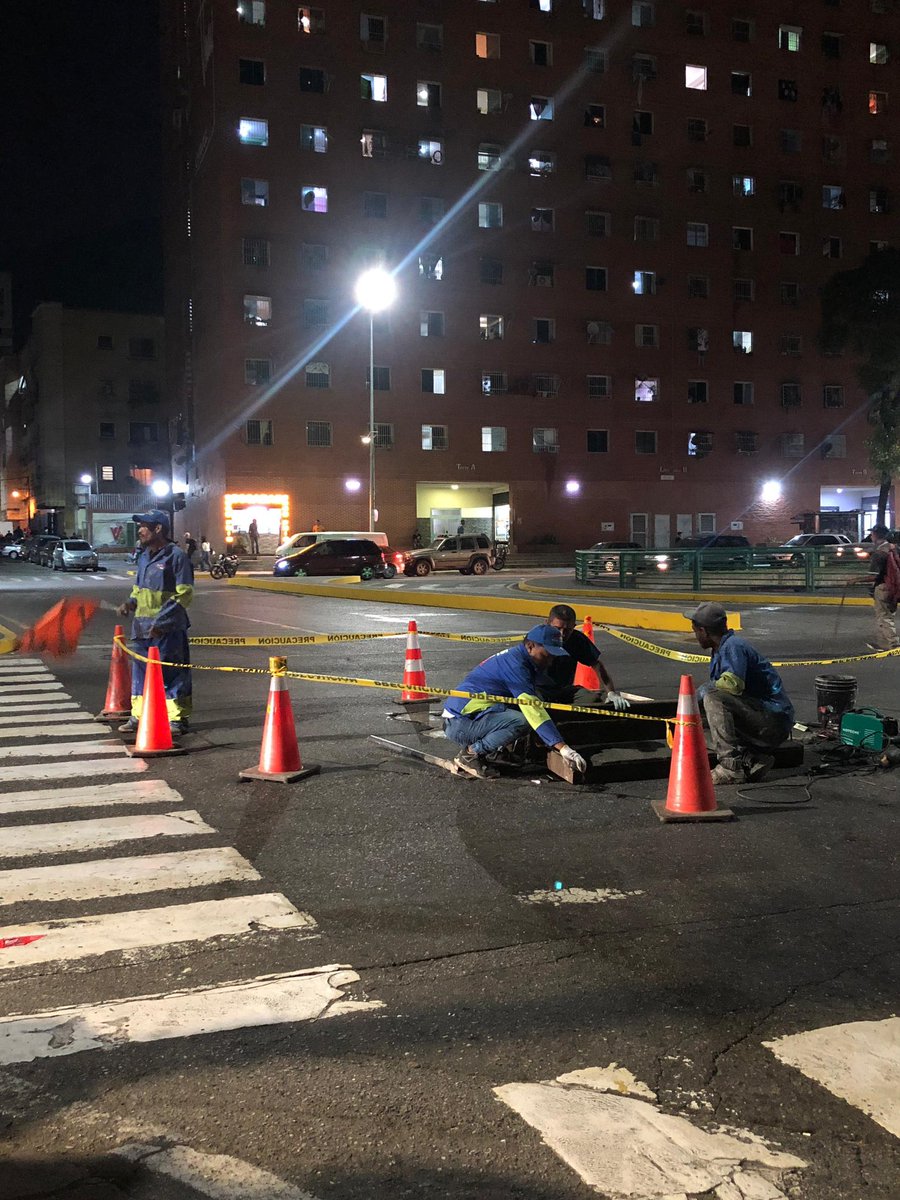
(745, 704)
(481, 725)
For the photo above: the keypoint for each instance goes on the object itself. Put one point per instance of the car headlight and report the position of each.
(661, 558)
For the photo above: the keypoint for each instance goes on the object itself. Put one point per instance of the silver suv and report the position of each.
(470, 554)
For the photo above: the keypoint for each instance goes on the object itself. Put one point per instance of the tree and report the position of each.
(861, 312)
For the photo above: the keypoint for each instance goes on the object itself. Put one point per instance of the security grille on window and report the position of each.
(790, 344)
(545, 441)
(431, 266)
(599, 333)
(789, 38)
(742, 392)
(318, 433)
(434, 437)
(254, 252)
(494, 383)
(257, 371)
(746, 441)
(595, 60)
(697, 181)
(697, 391)
(598, 387)
(743, 290)
(259, 433)
(493, 439)
(490, 156)
(546, 385)
(431, 324)
(646, 335)
(697, 129)
(598, 441)
(597, 167)
(314, 256)
(490, 326)
(433, 380)
(645, 441)
(542, 220)
(384, 436)
(488, 100)
(313, 79)
(258, 309)
(381, 377)
(700, 443)
(372, 31)
(143, 391)
(253, 132)
(317, 375)
(833, 395)
(645, 172)
(597, 224)
(643, 66)
(255, 191)
(490, 270)
(646, 229)
(315, 313)
(834, 446)
(790, 395)
(789, 293)
(697, 233)
(793, 445)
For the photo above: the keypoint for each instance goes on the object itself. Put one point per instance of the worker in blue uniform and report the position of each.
(481, 726)
(162, 591)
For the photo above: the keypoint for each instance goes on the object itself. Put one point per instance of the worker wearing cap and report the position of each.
(163, 589)
(481, 726)
(579, 648)
(745, 704)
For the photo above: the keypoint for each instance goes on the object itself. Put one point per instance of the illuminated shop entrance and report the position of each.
(441, 508)
(272, 514)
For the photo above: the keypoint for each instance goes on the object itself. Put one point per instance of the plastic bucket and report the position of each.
(835, 695)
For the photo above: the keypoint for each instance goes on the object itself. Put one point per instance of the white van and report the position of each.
(298, 540)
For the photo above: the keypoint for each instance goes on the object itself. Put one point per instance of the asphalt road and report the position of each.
(690, 948)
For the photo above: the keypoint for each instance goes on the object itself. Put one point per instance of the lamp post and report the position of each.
(376, 290)
(160, 489)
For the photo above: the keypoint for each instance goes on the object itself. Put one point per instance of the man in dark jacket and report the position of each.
(579, 649)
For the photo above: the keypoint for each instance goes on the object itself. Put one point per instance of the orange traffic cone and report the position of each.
(154, 737)
(279, 754)
(413, 669)
(586, 676)
(691, 795)
(118, 690)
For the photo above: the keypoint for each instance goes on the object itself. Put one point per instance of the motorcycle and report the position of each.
(225, 565)
(501, 549)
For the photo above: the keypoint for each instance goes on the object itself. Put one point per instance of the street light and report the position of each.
(770, 491)
(376, 290)
(87, 480)
(160, 488)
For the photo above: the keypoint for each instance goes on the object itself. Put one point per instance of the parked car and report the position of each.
(45, 551)
(71, 554)
(12, 550)
(837, 544)
(470, 554)
(607, 557)
(708, 541)
(336, 556)
(298, 540)
(32, 546)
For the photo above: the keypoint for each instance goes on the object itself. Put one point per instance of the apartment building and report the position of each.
(608, 223)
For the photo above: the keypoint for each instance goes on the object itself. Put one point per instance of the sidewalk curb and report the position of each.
(767, 598)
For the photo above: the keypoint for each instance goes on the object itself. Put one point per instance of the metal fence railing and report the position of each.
(748, 568)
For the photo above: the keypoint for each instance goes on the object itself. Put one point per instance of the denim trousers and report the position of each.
(486, 730)
(739, 723)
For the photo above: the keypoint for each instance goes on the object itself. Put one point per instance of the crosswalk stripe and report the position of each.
(63, 837)
(49, 718)
(89, 729)
(32, 772)
(858, 1061)
(124, 876)
(23, 684)
(134, 791)
(140, 929)
(266, 1000)
(62, 749)
(47, 704)
(22, 662)
(33, 699)
(7, 672)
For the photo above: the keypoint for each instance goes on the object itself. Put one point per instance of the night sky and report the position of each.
(79, 93)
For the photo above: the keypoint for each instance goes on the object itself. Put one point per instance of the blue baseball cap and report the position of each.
(547, 636)
(156, 516)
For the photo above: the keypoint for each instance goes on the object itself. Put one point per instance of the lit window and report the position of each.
(373, 87)
(258, 309)
(789, 38)
(542, 220)
(595, 9)
(431, 266)
(695, 77)
(540, 108)
(253, 132)
(433, 380)
(742, 340)
(108, 474)
(310, 20)
(431, 324)
(598, 387)
(314, 199)
(255, 191)
(645, 441)
(646, 390)
(428, 94)
(597, 441)
(431, 151)
(317, 375)
(833, 196)
(252, 12)
(493, 439)
(542, 5)
(487, 45)
(490, 215)
(545, 441)
(697, 233)
(493, 383)
(490, 157)
(743, 185)
(259, 433)
(490, 326)
(434, 437)
(878, 53)
(541, 163)
(644, 283)
(318, 433)
(488, 100)
(374, 143)
(314, 137)
(878, 102)
(700, 443)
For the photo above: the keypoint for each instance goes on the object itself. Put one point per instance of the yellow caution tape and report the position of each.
(324, 639)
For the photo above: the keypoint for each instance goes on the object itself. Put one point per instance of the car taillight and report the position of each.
(399, 558)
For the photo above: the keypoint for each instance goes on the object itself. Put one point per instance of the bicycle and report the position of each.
(501, 550)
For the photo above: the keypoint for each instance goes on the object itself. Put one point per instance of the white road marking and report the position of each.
(56, 703)
(17, 671)
(623, 1146)
(63, 749)
(32, 699)
(48, 718)
(124, 876)
(22, 662)
(218, 1176)
(134, 791)
(266, 1000)
(64, 837)
(89, 729)
(84, 937)
(575, 895)
(33, 772)
(27, 683)
(860, 1062)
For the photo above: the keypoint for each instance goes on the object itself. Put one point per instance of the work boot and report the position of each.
(725, 775)
(130, 726)
(178, 728)
(473, 764)
(757, 766)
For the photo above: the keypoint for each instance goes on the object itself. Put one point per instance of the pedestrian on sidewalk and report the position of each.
(253, 533)
(561, 687)
(884, 600)
(205, 550)
(190, 547)
(745, 704)
(162, 591)
(481, 727)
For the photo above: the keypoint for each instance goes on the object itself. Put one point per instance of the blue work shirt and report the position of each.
(761, 681)
(510, 673)
(163, 589)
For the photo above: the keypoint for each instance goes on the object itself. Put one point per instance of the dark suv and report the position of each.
(709, 541)
(337, 556)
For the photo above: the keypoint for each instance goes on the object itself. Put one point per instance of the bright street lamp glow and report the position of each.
(352, 485)
(85, 479)
(376, 289)
(573, 487)
(159, 488)
(771, 491)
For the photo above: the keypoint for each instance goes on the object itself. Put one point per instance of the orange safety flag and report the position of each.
(57, 632)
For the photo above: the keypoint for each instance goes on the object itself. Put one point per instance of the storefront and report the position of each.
(272, 514)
